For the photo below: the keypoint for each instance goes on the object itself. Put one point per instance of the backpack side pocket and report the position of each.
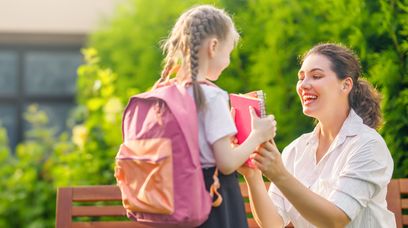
(144, 173)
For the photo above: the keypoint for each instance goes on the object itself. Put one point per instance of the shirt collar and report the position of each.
(351, 127)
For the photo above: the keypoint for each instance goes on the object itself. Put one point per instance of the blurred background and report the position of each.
(68, 67)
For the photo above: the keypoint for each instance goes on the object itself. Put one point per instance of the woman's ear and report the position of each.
(347, 84)
(213, 44)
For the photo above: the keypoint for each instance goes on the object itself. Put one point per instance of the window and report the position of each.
(42, 75)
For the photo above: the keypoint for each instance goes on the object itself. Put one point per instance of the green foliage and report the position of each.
(129, 43)
(5, 171)
(274, 33)
(45, 161)
(126, 59)
(376, 30)
(28, 189)
(97, 132)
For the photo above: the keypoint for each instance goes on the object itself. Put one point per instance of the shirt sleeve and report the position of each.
(279, 201)
(218, 122)
(368, 171)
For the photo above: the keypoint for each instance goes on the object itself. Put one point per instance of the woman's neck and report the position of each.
(329, 129)
(331, 125)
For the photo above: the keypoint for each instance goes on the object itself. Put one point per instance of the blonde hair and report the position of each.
(184, 42)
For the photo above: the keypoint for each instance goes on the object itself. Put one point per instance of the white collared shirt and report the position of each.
(353, 174)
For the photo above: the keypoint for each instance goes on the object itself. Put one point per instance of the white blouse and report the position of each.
(214, 122)
(353, 174)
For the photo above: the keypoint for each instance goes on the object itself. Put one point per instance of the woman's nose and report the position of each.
(305, 84)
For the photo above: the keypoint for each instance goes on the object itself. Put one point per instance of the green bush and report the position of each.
(274, 33)
(124, 58)
(28, 191)
(46, 161)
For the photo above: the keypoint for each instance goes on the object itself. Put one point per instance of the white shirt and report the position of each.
(353, 174)
(215, 122)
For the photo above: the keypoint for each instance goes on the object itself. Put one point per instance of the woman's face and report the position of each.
(321, 92)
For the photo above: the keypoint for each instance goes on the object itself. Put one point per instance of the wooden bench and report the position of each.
(88, 202)
(397, 199)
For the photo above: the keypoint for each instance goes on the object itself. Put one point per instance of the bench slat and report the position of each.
(403, 185)
(81, 211)
(109, 224)
(394, 201)
(247, 208)
(252, 223)
(404, 203)
(96, 193)
(405, 219)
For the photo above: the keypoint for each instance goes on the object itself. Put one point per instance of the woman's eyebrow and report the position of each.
(310, 71)
(316, 69)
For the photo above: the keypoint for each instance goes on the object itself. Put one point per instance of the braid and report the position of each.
(196, 35)
(166, 70)
(194, 47)
(184, 43)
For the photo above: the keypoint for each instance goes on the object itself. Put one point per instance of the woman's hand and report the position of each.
(268, 159)
(249, 172)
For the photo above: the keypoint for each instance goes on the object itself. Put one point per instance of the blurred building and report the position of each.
(40, 44)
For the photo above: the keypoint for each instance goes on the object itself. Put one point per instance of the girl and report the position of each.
(199, 47)
(338, 174)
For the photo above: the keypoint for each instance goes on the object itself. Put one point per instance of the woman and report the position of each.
(337, 175)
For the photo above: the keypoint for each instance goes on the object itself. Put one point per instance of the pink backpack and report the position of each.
(157, 167)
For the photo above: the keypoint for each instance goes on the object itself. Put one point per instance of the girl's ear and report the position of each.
(212, 47)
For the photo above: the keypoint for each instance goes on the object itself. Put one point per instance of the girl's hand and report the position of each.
(268, 160)
(263, 128)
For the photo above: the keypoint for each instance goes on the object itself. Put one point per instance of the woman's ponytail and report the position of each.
(365, 101)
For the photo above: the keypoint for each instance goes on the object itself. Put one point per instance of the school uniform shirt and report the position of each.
(215, 122)
(353, 174)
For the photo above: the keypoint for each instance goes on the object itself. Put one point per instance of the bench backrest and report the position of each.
(397, 199)
(67, 210)
(88, 202)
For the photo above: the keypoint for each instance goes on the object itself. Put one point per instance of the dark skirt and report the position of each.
(231, 212)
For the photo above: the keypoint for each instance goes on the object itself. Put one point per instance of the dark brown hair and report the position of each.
(363, 98)
(186, 37)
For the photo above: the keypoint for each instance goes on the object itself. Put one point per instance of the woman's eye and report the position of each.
(316, 76)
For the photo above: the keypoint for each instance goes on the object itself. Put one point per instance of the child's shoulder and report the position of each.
(212, 92)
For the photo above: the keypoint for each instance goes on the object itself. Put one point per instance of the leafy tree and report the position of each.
(274, 33)
(376, 30)
(124, 58)
(389, 69)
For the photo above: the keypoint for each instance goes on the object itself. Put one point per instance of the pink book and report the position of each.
(241, 103)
